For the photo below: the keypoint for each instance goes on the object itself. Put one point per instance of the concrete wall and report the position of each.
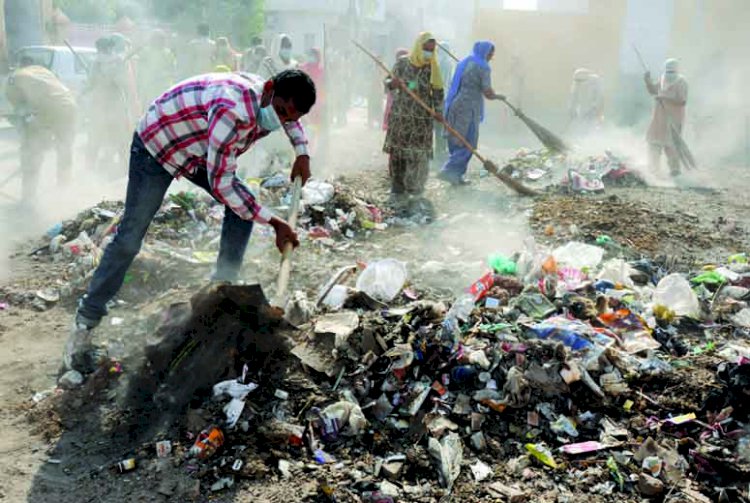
(548, 47)
(710, 38)
(23, 23)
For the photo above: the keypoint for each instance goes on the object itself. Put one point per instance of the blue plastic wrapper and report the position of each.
(569, 332)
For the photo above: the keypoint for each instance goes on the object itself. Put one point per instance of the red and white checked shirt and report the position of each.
(206, 122)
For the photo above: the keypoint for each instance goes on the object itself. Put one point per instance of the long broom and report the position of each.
(550, 140)
(488, 165)
(683, 151)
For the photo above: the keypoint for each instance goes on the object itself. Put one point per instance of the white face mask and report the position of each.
(670, 77)
(268, 119)
(285, 53)
(427, 54)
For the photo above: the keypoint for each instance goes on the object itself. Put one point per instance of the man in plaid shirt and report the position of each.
(196, 130)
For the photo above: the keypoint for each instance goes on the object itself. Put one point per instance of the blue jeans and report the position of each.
(455, 167)
(148, 182)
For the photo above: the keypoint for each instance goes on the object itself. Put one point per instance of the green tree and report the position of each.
(238, 19)
(89, 11)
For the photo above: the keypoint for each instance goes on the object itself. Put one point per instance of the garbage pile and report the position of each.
(185, 231)
(559, 373)
(578, 173)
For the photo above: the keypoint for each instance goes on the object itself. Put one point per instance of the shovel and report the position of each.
(223, 326)
(286, 258)
(251, 297)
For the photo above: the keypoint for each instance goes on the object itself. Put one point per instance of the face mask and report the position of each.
(670, 77)
(268, 119)
(427, 54)
(285, 53)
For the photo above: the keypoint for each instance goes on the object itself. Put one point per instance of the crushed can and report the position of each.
(207, 443)
(126, 465)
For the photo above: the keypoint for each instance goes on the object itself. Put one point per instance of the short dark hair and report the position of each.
(26, 60)
(204, 30)
(256, 40)
(298, 86)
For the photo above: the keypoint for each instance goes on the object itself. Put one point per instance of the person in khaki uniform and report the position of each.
(44, 111)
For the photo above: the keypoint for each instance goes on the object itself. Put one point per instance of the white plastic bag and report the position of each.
(617, 271)
(383, 279)
(529, 264)
(674, 293)
(578, 255)
(336, 298)
(317, 192)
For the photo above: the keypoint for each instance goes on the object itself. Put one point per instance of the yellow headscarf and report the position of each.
(417, 59)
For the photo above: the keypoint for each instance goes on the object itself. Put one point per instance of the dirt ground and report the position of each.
(694, 226)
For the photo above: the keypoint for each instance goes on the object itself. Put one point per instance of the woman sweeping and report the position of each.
(408, 140)
(464, 108)
(400, 53)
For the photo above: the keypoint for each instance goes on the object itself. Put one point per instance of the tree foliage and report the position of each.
(89, 11)
(238, 19)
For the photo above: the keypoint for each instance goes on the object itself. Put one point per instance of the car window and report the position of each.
(40, 55)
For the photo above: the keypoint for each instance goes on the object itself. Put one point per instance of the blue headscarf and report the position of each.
(479, 55)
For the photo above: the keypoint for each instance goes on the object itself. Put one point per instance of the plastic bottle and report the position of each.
(459, 311)
(463, 374)
(743, 449)
(207, 443)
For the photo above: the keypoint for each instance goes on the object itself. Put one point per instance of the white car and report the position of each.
(71, 70)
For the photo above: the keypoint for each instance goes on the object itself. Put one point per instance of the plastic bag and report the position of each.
(529, 265)
(336, 298)
(349, 415)
(502, 264)
(617, 271)
(632, 329)
(317, 192)
(674, 293)
(578, 255)
(383, 279)
(448, 455)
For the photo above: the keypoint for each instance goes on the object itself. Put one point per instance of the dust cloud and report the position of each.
(538, 47)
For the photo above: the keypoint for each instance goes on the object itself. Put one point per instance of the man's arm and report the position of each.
(650, 86)
(680, 96)
(221, 166)
(13, 93)
(298, 138)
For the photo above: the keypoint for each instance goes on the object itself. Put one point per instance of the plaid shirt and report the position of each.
(205, 122)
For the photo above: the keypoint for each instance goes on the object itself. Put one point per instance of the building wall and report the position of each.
(710, 39)
(3, 40)
(548, 47)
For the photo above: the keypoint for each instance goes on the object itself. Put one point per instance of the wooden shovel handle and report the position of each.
(286, 258)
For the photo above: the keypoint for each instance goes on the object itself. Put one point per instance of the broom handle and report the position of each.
(286, 258)
(447, 51)
(424, 105)
(646, 70)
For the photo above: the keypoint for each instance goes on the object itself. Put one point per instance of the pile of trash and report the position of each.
(576, 173)
(560, 372)
(186, 230)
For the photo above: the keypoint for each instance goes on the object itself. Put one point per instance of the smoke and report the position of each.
(24, 222)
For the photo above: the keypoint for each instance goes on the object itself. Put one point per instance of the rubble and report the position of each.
(185, 232)
(573, 172)
(579, 367)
